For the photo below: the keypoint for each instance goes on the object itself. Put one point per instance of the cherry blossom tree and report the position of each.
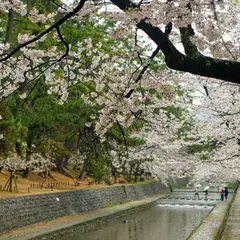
(15, 163)
(207, 23)
(218, 118)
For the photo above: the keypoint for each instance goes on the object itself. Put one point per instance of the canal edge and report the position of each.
(95, 223)
(221, 231)
(190, 237)
(214, 230)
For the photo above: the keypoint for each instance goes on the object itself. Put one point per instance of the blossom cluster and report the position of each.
(38, 163)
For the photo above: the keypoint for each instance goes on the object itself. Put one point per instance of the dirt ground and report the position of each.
(36, 184)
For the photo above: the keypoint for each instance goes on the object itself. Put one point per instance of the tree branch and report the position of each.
(191, 49)
(65, 44)
(55, 25)
(9, 26)
(199, 65)
(144, 69)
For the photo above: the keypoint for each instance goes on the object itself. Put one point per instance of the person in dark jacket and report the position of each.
(221, 190)
(226, 193)
(206, 194)
(196, 195)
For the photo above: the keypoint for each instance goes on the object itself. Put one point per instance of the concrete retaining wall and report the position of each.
(22, 211)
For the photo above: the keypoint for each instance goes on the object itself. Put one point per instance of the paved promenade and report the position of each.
(209, 228)
(232, 228)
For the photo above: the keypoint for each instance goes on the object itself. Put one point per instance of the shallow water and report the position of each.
(159, 222)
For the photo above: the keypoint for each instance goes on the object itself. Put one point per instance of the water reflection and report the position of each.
(159, 222)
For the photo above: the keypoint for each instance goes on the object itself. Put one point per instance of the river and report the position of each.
(157, 223)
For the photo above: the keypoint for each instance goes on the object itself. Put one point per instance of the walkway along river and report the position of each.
(158, 217)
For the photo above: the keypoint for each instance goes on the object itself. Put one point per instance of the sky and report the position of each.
(67, 1)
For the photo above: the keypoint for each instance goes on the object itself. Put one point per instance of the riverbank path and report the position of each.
(232, 227)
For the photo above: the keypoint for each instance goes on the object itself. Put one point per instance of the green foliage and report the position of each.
(174, 112)
(12, 129)
(98, 169)
(203, 148)
(178, 186)
(197, 148)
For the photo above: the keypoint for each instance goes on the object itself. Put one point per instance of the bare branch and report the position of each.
(60, 6)
(55, 25)
(64, 42)
(144, 69)
(200, 65)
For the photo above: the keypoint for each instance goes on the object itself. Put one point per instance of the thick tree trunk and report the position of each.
(129, 176)
(135, 177)
(81, 175)
(8, 35)
(28, 153)
(25, 173)
(136, 173)
(61, 163)
(114, 174)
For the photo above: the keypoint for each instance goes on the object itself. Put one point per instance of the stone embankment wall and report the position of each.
(22, 211)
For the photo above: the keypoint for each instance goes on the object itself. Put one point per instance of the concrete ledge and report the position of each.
(63, 227)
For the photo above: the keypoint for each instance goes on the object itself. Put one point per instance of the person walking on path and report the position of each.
(206, 194)
(222, 193)
(196, 195)
(226, 193)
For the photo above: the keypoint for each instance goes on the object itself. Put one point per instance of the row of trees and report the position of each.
(80, 124)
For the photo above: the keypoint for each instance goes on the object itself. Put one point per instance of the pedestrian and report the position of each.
(196, 195)
(222, 193)
(226, 193)
(206, 194)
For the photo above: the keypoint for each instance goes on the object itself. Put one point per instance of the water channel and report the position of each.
(161, 222)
